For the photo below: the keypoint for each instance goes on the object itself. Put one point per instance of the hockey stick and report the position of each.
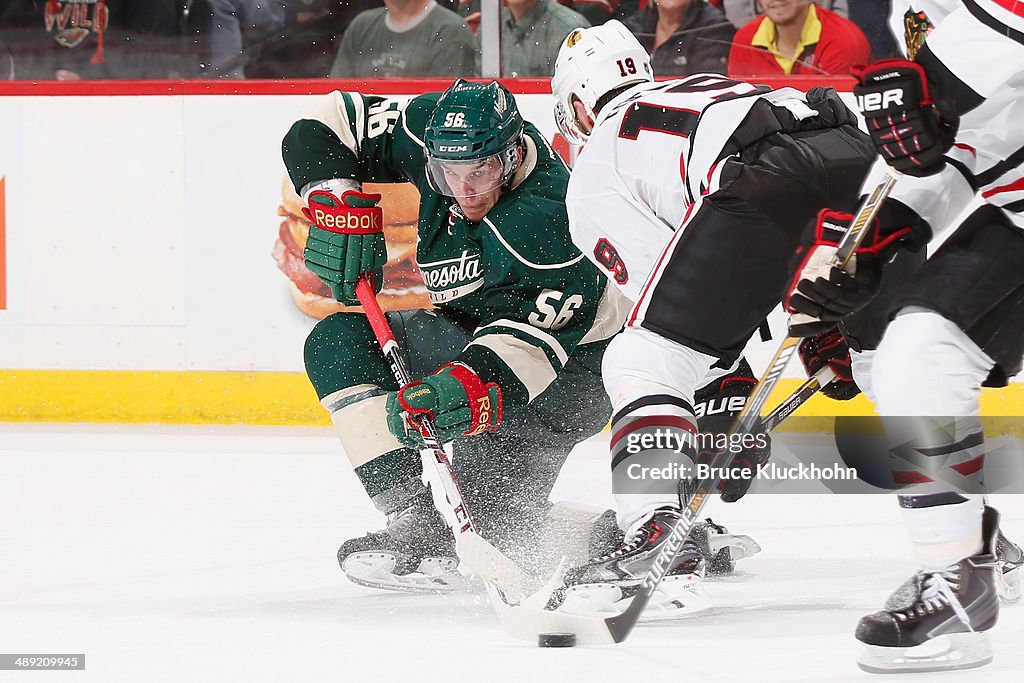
(389, 347)
(482, 558)
(528, 620)
(797, 398)
(844, 252)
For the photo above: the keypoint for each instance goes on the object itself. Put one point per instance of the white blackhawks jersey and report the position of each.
(981, 44)
(653, 154)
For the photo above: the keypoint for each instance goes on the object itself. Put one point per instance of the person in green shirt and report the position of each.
(406, 38)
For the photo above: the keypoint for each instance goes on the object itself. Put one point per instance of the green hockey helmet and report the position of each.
(472, 139)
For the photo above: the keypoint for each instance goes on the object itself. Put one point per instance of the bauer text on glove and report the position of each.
(904, 124)
(716, 406)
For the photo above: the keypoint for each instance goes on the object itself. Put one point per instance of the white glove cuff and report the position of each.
(336, 186)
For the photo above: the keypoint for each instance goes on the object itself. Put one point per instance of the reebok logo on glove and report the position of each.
(484, 412)
(877, 101)
(346, 221)
(417, 394)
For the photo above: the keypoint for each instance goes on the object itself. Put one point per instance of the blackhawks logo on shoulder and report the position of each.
(916, 27)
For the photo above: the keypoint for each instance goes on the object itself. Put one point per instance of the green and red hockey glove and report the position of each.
(454, 397)
(346, 239)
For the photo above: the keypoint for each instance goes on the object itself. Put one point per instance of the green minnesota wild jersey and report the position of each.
(516, 276)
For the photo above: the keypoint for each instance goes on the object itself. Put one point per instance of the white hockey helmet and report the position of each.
(590, 63)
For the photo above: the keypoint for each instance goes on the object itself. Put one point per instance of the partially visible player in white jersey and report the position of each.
(691, 195)
(949, 118)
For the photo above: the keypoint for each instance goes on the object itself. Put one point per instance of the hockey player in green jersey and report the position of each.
(521, 322)
(522, 318)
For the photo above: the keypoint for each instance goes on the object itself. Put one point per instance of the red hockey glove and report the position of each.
(455, 397)
(830, 348)
(716, 406)
(346, 239)
(906, 128)
(820, 294)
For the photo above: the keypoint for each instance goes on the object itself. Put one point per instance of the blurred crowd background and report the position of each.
(302, 39)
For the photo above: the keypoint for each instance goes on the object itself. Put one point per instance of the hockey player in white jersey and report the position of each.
(949, 119)
(691, 196)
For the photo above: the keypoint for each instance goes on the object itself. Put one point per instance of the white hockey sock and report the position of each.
(651, 381)
(652, 448)
(360, 419)
(942, 534)
(390, 472)
(927, 366)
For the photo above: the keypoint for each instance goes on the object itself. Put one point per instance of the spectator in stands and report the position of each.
(406, 38)
(102, 39)
(308, 45)
(683, 36)
(238, 24)
(595, 11)
(531, 33)
(742, 12)
(796, 37)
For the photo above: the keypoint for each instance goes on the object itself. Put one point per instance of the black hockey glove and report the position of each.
(716, 406)
(830, 348)
(897, 106)
(820, 294)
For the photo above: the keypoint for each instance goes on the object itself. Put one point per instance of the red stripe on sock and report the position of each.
(653, 421)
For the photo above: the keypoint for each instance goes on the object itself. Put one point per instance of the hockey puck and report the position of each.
(556, 640)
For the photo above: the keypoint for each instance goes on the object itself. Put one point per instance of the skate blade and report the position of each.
(943, 653)
(676, 597)
(1008, 585)
(740, 546)
(376, 570)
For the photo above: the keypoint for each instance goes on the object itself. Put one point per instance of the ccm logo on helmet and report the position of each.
(452, 148)
(875, 101)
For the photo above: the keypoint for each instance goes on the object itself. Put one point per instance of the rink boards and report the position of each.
(137, 222)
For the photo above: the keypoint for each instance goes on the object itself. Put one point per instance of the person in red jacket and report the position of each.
(796, 37)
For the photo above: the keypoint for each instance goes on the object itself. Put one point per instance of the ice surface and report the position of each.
(208, 554)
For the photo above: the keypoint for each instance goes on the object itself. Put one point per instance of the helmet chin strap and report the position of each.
(591, 118)
(520, 152)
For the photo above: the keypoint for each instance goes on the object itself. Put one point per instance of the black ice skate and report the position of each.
(415, 553)
(937, 621)
(1009, 559)
(603, 586)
